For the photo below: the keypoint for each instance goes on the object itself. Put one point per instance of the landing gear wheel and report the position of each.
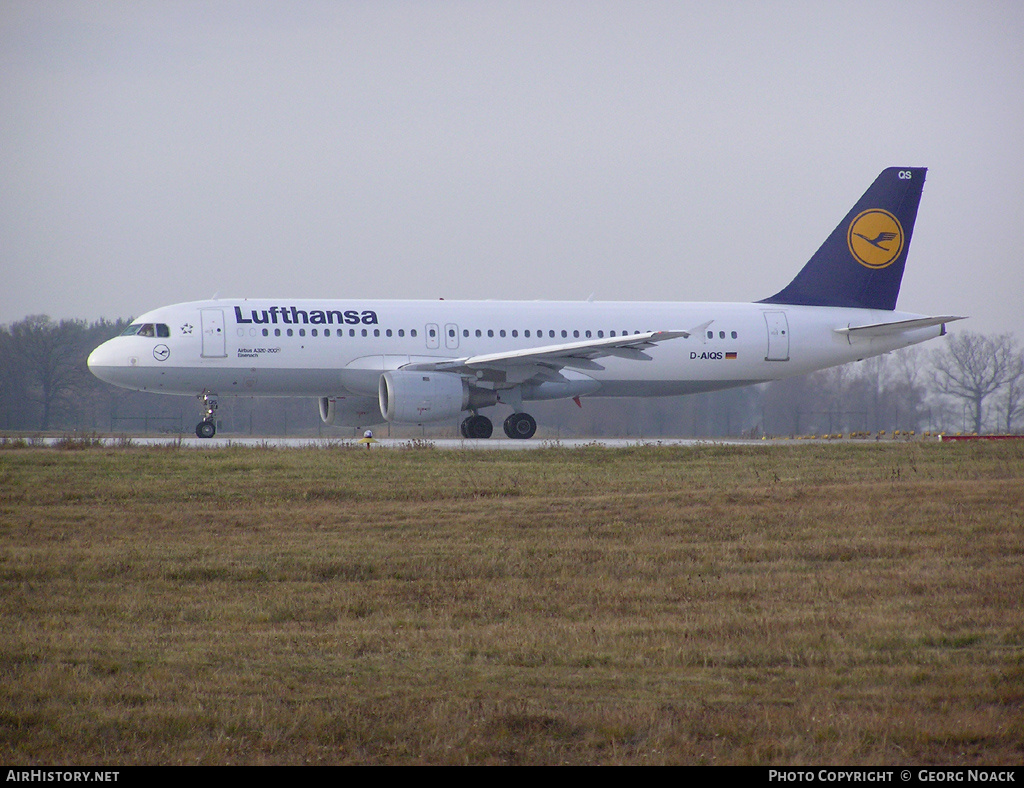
(207, 428)
(520, 426)
(476, 427)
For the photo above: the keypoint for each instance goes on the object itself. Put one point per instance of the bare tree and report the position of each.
(875, 374)
(973, 366)
(51, 357)
(906, 391)
(1013, 397)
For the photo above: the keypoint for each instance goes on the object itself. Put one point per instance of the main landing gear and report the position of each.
(476, 426)
(519, 426)
(207, 428)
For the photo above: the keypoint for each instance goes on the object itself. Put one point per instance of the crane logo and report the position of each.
(875, 238)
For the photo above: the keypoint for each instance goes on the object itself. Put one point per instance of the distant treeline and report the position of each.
(966, 382)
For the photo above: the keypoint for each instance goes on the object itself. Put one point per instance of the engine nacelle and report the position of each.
(420, 397)
(349, 411)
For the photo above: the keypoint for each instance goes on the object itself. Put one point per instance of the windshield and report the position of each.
(147, 330)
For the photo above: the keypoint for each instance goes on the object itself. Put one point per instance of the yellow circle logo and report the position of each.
(875, 238)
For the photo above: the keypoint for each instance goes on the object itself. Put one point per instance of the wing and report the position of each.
(544, 362)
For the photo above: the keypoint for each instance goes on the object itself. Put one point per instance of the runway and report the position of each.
(460, 444)
(383, 444)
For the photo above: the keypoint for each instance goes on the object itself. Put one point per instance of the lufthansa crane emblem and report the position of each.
(875, 238)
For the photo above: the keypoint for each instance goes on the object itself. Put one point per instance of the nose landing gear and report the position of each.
(207, 428)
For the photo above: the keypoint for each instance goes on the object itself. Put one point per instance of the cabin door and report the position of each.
(778, 336)
(214, 337)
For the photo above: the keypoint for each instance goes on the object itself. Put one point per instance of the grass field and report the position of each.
(833, 604)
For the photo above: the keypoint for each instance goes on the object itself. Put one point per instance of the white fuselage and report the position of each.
(326, 348)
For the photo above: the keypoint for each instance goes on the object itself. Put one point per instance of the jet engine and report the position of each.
(419, 397)
(349, 411)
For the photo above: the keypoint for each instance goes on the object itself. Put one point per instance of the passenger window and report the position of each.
(734, 335)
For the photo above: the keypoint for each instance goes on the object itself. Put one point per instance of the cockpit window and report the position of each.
(147, 330)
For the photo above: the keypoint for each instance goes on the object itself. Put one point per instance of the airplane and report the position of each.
(417, 362)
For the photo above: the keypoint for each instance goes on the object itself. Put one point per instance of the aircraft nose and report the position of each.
(102, 362)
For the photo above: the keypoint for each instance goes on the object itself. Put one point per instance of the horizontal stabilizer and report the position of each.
(896, 326)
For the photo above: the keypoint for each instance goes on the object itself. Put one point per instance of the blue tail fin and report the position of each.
(861, 263)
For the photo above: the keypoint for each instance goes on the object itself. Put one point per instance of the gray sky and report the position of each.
(155, 152)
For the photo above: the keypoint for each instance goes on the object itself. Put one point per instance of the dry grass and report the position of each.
(773, 605)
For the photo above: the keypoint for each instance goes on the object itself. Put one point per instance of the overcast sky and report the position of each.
(156, 152)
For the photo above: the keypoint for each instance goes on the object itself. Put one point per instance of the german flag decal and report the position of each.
(730, 355)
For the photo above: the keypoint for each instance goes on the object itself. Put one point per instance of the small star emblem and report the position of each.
(186, 329)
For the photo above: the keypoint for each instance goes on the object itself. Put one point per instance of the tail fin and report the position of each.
(861, 263)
